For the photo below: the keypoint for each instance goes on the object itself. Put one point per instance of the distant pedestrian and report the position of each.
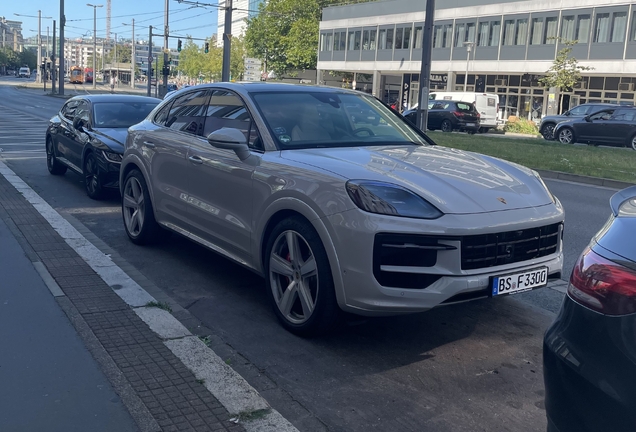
(112, 84)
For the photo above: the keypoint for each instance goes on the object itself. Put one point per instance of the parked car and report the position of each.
(88, 135)
(589, 352)
(360, 114)
(486, 104)
(548, 123)
(24, 72)
(448, 116)
(613, 126)
(335, 214)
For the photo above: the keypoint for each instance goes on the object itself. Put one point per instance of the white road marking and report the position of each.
(231, 389)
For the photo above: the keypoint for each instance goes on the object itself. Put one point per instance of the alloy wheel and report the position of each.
(446, 126)
(634, 142)
(133, 204)
(293, 277)
(566, 136)
(548, 132)
(50, 157)
(91, 173)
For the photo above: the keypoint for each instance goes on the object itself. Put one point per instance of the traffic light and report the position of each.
(207, 47)
(179, 45)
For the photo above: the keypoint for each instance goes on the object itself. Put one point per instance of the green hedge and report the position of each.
(521, 126)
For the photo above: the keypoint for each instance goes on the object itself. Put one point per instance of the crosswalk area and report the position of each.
(21, 135)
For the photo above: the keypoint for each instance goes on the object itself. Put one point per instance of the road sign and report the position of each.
(150, 59)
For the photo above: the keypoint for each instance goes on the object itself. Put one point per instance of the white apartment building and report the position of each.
(242, 10)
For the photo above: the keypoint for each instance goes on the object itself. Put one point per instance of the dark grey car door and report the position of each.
(79, 137)
(596, 129)
(65, 132)
(621, 127)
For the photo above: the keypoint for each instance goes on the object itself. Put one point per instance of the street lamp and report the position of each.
(133, 57)
(39, 17)
(94, 42)
(469, 47)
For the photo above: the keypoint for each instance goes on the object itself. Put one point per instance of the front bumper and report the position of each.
(109, 171)
(354, 235)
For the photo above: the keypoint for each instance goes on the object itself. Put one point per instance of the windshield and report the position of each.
(120, 114)
(319, 119)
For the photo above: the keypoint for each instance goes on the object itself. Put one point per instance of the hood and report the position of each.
(556, 118)
(115, 138)
(455, 181)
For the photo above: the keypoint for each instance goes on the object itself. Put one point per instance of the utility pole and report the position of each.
(149, 68)
(166, 32)
(39, 74)
(94, 42)
(116, 64)
(134, 58)
(47, 41)
(469, 47)
(103, 55)
(53, 68)
(61, 56)
(227, 41)
(425, 72)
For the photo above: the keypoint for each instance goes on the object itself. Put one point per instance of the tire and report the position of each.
(484, 129)
(55, 167)
(318, 313)
(632, 142)
(139, 218)
(566, 136)
(446, 126)
(92, 181)
(547, 131)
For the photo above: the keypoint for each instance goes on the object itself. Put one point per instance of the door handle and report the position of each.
(149, 144)
(196, 159)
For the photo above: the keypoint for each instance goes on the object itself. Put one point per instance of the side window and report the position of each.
(82, 111)
(464, 107)
(162, 115)
(187, 113)
(603, 115)
(68, 110)
(226, 110)
(579, 110)
(624, 115)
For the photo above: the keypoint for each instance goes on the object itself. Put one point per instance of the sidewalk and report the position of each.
(108, 371)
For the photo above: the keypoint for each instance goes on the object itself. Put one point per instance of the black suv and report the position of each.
(546, 128)
(448, 116)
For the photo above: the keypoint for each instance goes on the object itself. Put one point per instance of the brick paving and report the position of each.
(167, 389)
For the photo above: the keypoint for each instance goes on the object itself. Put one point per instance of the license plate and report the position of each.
(470, 124)
(519, 282)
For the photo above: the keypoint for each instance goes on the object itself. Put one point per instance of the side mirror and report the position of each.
(78, 123)
(587, 118)
(230, 139)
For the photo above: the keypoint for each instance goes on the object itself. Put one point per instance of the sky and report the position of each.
(184, 19)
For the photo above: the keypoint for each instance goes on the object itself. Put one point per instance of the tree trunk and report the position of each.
(561, 103)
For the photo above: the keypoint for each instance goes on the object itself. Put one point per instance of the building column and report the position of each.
(377, 85)
(319, 77)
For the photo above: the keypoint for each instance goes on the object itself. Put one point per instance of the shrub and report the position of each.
(521, 126)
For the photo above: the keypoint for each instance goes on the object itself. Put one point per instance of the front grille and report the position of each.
(489, 250)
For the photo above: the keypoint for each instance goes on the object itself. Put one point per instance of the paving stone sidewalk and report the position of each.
(159, 391)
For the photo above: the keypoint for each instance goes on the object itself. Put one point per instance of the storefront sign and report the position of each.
(438, 79)
(406, 85)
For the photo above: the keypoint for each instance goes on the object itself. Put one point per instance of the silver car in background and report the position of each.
(372, 219)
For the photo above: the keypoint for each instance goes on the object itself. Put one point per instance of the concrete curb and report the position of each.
(232, 390)
(577, 178)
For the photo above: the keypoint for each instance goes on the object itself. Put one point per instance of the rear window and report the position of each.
(465, 107)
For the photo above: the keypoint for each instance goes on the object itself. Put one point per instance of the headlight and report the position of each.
(390, 199)
(112, 157)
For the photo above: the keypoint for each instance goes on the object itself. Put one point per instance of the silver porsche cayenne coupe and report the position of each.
(337, 201)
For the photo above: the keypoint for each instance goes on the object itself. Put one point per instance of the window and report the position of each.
(579, 111)
(438, 36)
(536, 31)
(470, 32)
(521, 34)
(583, 28)
(343, 40)
(352, 41)
(619, 25)
(482, 35)
(495, 30)
(226, 110)
(419, 37)
(329, 42)
(567, 28)
(389, 39)
(601, 31)
(460, 34)
(187, 112)
(509, 32)
(82, 111)
(551, 25)
(407, 38)
(336, 41)
(323, 41)
(399, 34)
(624, 115)
(120, 114)
(633, 35)
(368, 40)
(382, 39)
(162, 115)
(372, 35)
(603, 115)
(68, 110)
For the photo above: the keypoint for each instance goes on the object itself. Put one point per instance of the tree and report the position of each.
(237, 58)
(565, 72)
(285, 33)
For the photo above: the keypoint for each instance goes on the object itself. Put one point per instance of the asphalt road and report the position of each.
(468, 367)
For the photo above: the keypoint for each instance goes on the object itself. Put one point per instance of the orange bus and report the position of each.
(76, 75)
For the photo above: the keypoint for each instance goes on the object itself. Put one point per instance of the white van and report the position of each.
(24, 72)
(486, 103)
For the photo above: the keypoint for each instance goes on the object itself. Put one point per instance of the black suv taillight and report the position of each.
(603, 285)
